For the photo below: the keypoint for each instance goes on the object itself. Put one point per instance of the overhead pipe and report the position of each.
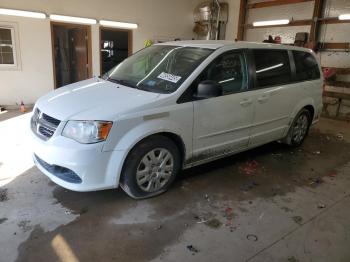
(217, 20)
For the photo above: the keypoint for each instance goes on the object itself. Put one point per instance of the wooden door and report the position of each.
(79, 54)
(71, 53)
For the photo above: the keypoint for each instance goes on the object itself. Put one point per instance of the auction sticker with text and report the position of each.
(169, 77)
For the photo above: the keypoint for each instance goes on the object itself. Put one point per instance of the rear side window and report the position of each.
(272, 67)
(306, 66)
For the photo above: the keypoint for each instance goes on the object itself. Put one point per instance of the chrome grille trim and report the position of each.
(44, 126)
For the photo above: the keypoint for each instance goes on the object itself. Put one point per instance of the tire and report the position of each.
(151, 167)
(299, 128)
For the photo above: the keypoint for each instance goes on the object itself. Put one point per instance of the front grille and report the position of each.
(51, 120)
(59, 171)
(44, 126)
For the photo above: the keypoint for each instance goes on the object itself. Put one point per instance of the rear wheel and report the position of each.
(150, 167)
(299, 128)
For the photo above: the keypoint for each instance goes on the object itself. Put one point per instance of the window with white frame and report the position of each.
(7, 47)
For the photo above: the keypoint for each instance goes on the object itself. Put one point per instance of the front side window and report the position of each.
(159, 68)
(228, 70)
(7, 47)
(306, 66)
(272, 67)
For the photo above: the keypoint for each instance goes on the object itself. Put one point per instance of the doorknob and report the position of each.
(246, 102)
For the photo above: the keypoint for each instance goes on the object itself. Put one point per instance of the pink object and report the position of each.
(22, 107)
(278, 39)
(329, 73)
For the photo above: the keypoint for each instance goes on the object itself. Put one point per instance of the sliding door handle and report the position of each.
(246, 102)
(263, 99)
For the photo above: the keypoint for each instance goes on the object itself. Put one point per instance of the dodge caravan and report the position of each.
(172, 106)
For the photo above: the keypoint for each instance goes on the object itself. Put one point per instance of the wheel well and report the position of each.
(175, 138)
(178, 142)
(311, 109)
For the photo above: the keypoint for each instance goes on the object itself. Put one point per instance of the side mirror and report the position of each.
(207, 89)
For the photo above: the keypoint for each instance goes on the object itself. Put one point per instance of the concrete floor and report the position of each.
(290, 205)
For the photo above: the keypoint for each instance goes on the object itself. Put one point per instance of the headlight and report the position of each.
(87, 132)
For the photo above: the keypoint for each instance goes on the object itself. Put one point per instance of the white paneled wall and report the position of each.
(295, 11)
(336, 33)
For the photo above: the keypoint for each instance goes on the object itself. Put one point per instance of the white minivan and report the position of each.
(172, 106)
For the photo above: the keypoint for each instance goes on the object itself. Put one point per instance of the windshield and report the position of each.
(159, 68)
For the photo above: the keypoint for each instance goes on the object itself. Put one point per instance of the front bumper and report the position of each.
(61, 158)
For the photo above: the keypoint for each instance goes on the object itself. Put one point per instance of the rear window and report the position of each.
(306, 66)
(272, 67)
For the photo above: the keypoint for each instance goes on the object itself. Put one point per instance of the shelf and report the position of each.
(336, 95)
(339, 70)
(325, 46)
(339, 84)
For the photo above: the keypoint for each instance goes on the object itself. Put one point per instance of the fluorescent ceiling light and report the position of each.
(118, 24)
(344, 17)
(13, 12)
(271, 22)
(72, 19)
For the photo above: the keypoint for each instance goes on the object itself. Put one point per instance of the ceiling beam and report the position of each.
(241, 20)
(314, 29)
(276, 3)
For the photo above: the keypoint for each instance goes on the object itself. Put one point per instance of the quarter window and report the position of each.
(229, 70)
(272, 67)
(306, 66)
(7, 47)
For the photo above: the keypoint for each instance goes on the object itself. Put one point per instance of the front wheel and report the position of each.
(299, 128)
(150, 167)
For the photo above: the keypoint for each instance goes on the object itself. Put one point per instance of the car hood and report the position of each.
(93, 99)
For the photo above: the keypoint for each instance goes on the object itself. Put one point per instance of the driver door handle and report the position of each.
(246, 102)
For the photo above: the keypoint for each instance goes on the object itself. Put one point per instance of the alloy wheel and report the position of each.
(155, 170)
(300, 128)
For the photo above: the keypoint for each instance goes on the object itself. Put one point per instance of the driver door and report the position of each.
(222, 124)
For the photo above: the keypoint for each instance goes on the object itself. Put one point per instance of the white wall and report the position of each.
(34, 76)
(157, 19)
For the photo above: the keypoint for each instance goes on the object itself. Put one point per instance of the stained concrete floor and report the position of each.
(272, 203)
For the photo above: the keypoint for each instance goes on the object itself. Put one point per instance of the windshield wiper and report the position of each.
(122, 82)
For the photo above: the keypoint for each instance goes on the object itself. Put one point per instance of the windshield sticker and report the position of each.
(169, 77)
